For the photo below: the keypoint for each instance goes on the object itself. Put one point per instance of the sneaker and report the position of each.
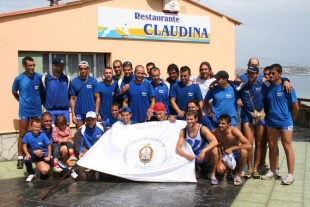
(269, 175)
(30, 177)
(70, 163)
(73, 158)
(289, 179)
(57, 169)
(278, 172)
(20, 164)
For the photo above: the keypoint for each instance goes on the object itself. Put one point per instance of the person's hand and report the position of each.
(172, 118)
(64, 139)
(264, 79)
(149, 114)
(211, 113)
(237, 80)
(74, 120)
(190, 157)
(47, 159)
(201, 157)
(228, 151)
(27, 157)
(81, 155)
(125, 88)
(72, 142)
(287, 87)
(181, 114)
(99, 118)
(38, 152)
(239, 102)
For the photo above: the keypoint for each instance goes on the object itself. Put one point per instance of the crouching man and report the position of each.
(88, 134)
(201, 140)
(231, 140)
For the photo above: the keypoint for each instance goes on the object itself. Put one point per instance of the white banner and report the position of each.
(149, 25)
(142, 152)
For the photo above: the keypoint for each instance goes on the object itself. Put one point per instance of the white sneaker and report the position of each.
(269, 175)
(289, 179)
(278, 172)
(30, 177)
(57, 169)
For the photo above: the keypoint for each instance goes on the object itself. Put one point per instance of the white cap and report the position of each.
(84, 63)
(91, 114)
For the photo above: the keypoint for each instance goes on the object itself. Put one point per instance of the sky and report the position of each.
(274, 31)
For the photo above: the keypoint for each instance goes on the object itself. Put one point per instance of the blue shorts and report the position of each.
(289, 128)
(249, 119)
(64, 112)
(80, 117)
(25, 118)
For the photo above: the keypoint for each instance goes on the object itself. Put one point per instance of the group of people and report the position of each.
(130, 95)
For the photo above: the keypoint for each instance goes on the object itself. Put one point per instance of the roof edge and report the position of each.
(236, 22)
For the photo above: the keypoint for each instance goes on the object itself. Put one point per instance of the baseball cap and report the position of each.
(125, 109)
(91, 114)
(58, 61)
(84, 63)
(221, 74)
(159, 107)
(253, 69)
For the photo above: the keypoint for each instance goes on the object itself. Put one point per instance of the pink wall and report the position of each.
(74, 29)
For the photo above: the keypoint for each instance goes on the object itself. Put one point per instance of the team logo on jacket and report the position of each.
(190, 94)
(146, 154)
(89, 86)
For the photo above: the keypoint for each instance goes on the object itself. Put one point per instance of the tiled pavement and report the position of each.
(97, 189)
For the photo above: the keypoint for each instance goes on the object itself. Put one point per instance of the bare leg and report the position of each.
(64, 155)
(263, 147)
(248, 131)
(259, 131)
(286, 138)
(79, 124)
(43, 167)
(272, 135)
(242, 161)
(23, 128)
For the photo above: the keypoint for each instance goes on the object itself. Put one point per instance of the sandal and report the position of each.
(237, 181)
(256, 175)
(248, 175)
(214, 181)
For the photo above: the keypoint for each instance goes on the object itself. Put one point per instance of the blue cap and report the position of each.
(58, 61)
(125, 109)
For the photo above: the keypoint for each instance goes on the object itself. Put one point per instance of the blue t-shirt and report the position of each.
(279, 106)
(91, 136)
(84, 90)
(224, 102)
(29, 94)
(56, 92)
(48, 135)
(256, 92)
(37, 142)
(183, 94)
(205, 121)
(139, 99)
(162, 95)
(110, 121)
(106, 98)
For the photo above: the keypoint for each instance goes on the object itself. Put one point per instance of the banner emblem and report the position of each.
(146, 154)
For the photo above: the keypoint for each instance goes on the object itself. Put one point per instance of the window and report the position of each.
(96, 61)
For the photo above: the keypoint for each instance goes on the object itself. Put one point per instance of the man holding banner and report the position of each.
(202, 141)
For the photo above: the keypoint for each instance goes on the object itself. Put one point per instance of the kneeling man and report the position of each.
(202, 141)
(231, 140)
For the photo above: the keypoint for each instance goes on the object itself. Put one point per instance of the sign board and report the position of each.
(146, 25)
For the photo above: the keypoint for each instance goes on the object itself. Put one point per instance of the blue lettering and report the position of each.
(156, 30)
(165, 30)
(181, 32)
(176, 31)
(137, 15)
(196, 31)
(145, 29)
(204, 33)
